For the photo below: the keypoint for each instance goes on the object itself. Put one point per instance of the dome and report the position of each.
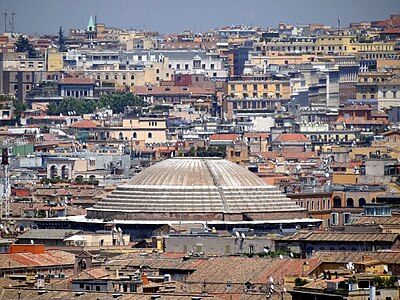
(196, 189)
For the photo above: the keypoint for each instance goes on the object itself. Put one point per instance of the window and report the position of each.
(346, 218)
(337, 202)
(212, 66)
(150, 135)
(334, 219)
(132, 77)
(134, 135)
(115, 76)
(350, 202)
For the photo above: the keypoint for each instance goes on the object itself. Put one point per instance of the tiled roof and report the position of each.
(257, 135)
(133, 261)
(215, 272)
(84, 124)
(25, 260)
(48, 234)
(373, 220)
(21, 293)
(390, 257)
(359, 121)
(286, 137)
(342, 237)
(224, 137)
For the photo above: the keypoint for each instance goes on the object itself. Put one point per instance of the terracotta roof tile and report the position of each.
(286, 137)
(224, 137)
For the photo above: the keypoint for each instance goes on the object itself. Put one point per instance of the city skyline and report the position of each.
(175, 16)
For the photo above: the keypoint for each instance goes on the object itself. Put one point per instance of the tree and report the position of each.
(61, 41)
(52, 109)
(117, 102)
(19, 107)
(23, 45)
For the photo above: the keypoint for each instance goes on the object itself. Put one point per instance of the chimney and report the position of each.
(145, 280)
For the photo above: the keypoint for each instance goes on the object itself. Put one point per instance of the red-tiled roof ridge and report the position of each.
(84, 124)
(291, 137)
(224, 137)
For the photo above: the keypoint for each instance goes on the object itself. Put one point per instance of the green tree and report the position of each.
(23, 45)
(19, 107)
(52, 109)
(61, 41)
(117, 102)
(300, 281)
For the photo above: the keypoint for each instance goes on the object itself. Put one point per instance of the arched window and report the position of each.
(98, 76)
(337, 202)
(361, 202)
(64, 172)
(373, 200)
(350, 202)
(150, 135)
(124, 76)
(107, 76)
(53, 172)
(132, 77)
(134, 135)
(121, 136)
(115, 76)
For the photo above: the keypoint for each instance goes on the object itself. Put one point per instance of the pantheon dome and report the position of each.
(196, 189)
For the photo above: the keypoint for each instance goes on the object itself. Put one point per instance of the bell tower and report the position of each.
(91, 29)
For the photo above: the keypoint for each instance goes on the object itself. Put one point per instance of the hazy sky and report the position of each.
(172, 16)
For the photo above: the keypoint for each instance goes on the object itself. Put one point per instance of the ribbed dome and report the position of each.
(196, 172)
(194, 189)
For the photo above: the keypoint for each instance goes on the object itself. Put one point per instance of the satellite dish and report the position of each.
(291, 255)
(237, 234)
(385, 268)
(280, 256)
(243, 235)
(284, 290)
(271, 279)
(32, 242)
(271, 287)
(119, 229)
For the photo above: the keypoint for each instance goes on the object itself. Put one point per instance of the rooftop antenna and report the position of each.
(338, 26)
(5, 18)
(12, 22)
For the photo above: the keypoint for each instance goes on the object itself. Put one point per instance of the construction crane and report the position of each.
(4, 183)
